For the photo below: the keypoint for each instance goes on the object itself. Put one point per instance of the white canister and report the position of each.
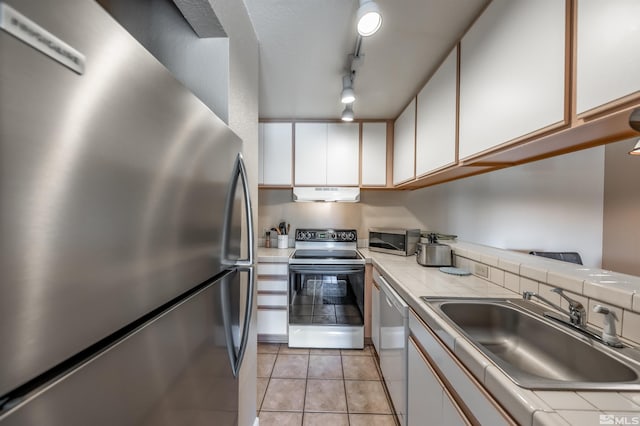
(283, 241)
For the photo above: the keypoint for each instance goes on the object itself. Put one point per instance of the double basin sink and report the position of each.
(536, 352)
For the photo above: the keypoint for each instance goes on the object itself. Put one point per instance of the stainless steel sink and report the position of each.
(534, 351)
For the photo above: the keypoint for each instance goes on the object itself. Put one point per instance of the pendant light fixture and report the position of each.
(636, 149)
(369, 18)
(347, 114)
(348, 96)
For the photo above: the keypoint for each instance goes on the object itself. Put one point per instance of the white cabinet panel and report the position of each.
(276, 155)
(436, 119)
(272, 321)
(272, 285)
(425, 395)
(608, 43)
(451, 414)
(404, 145)
(511, 73)
(272, 300)
(273, 269)
(311, 154)
(374, 154)
(343, 154)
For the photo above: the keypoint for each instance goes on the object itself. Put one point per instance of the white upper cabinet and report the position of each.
(343, 154)
(512, 73)
(275, 154)
(404, 141)
(608, 56)
(327, 154)
(374, 154)
(436, 118)
(311, 154)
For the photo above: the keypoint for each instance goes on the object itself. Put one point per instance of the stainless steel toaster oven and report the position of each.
(398, 241)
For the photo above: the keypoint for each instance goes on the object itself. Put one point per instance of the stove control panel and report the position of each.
(348, 235)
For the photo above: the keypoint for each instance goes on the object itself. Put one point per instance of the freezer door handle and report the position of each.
(239, 173)
(236, 356)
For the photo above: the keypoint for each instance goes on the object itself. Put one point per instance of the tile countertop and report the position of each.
(527, 407)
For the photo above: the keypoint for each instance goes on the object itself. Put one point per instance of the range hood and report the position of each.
(326, 193)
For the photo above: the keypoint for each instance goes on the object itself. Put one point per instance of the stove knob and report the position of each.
(307, 235)
(351, 236)
(343, 236)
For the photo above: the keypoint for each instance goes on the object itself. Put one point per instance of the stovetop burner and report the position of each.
(326, 246)
(325, 254)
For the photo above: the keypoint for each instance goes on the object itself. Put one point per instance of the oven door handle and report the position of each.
(325, 269)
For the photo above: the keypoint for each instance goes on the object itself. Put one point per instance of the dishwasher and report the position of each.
(393, 346)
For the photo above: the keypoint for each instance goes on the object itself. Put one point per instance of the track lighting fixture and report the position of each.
(369, 18)
(635, 150)
(347, 114)
(348, 95)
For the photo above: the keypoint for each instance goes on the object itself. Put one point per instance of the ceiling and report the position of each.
(304, 48)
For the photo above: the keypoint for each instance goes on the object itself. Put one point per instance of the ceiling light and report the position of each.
(348, 95)
(369, 18)
(347, 114)
(634, 151)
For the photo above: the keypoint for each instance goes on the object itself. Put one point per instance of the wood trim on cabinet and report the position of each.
(464, 369)
(368, 283)
(571, 61)
(360, 154)
(458, 68)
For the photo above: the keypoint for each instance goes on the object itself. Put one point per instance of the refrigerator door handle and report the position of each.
(239, 173)
(236, 357)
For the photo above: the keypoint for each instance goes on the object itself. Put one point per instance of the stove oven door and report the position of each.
(326, 295)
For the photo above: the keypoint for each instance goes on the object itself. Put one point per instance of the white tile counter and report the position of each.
(510, 273)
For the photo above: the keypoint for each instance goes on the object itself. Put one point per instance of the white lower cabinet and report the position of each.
(429, 402)
(273, 302)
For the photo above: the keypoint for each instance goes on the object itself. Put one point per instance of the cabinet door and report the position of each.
(512, 72)
(375, 317)
(343, 154)
(404, 138)
(425, 395)
(374, 154)
(608, 43)
(276, 153)
(272, 321)
(451, 414)
(436, 118)
(311, 154)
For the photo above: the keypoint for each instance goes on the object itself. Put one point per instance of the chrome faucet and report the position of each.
(578, 318)
(577, 313)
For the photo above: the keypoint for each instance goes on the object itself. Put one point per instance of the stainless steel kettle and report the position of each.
(431, 253)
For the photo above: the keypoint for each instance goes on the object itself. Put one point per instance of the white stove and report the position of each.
(326, 290)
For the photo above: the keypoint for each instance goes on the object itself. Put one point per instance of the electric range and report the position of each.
(326, 290)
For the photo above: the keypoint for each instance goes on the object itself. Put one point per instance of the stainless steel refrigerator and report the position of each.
(125, 231)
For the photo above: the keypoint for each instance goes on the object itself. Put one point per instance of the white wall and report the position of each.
(550, 205)
(201, 64)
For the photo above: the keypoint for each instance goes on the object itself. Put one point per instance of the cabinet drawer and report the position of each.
(273, 269)
(272, 321)
(272, 285)
(272, 299)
